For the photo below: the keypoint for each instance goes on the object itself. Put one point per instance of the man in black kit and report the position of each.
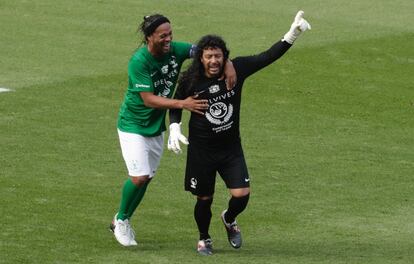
(215, 137)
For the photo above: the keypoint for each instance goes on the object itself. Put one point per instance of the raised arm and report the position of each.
(252, 64)
(298, 26)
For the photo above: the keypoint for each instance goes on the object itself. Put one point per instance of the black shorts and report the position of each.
(204, 163)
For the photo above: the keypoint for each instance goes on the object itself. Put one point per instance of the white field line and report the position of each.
(3, 90)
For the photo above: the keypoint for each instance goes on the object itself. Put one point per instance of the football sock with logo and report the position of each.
(129, 193)
(236, 206)
(202, 215)
(134, 204)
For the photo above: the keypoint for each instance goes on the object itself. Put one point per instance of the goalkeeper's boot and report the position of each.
(205, 247)
(233, 232)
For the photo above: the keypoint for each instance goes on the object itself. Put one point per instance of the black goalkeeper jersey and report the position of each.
(220, 123)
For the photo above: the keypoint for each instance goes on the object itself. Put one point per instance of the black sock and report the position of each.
(202, 215)
(236, 206)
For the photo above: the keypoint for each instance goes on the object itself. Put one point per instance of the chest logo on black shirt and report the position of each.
(214, 88)
(219, 113)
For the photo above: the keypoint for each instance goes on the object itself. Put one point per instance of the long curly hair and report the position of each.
(195, 71)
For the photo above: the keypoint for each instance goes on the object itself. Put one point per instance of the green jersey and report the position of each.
(149, 74)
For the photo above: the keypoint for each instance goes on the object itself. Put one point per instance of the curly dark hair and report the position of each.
(195, 71)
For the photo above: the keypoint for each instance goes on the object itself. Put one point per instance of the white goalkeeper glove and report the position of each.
(175, 137)
(298, 26)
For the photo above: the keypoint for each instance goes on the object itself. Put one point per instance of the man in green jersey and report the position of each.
(152, 75)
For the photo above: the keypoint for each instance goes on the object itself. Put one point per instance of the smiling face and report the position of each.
(213, 61)
(159, 42)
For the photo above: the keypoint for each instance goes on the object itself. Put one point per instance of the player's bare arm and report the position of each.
(190, 103)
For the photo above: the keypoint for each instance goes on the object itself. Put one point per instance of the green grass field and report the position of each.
(328, 133)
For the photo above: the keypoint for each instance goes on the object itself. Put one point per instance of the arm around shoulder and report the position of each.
(190, 103)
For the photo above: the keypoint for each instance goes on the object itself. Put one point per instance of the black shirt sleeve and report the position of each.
(180, 94)
(175, 115)
(246, 66)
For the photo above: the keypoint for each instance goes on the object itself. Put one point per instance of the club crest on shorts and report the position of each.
(193, 183)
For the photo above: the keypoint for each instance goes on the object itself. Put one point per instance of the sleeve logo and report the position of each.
(139, 85)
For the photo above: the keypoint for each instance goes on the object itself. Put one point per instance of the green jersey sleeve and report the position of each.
(139, 75)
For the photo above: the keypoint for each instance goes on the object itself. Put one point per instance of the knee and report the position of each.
(140, 181)
(241, 192)
(203, 202)
(205, 198)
